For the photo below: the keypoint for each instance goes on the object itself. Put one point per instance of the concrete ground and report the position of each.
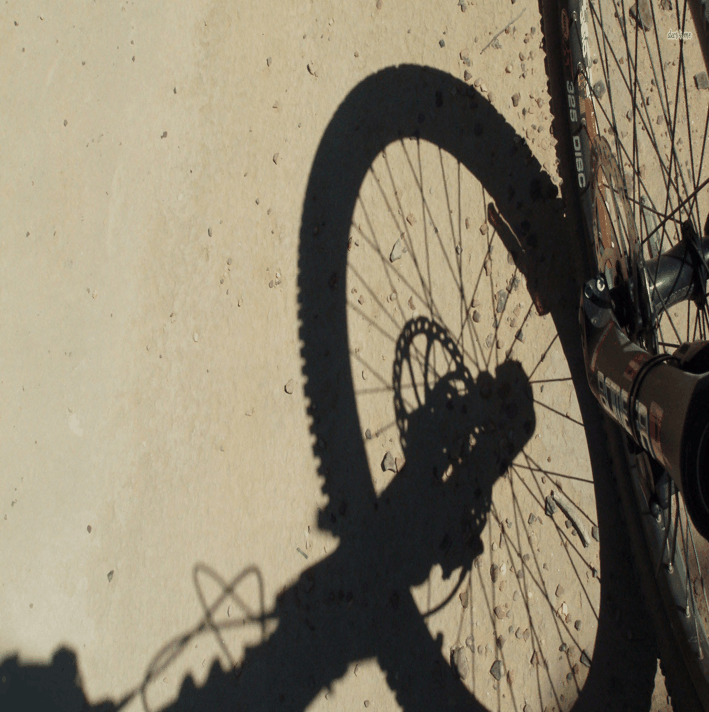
(192, 513)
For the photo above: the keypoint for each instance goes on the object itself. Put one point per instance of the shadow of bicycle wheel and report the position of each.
(420, 105)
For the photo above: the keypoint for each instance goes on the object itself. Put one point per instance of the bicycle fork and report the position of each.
(660, 401)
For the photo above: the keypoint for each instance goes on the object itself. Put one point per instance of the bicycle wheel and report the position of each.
(631, 107)
(412, 275)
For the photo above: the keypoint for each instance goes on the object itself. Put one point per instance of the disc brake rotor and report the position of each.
(618, 250)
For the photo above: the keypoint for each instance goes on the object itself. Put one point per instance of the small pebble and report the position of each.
(550, 506)
(88, 529)
(585, 659)
(368, 434)
(110, 576)
(496, 670)
(476, 316)
(195, 336)
(464, 598)
(388, 463)
(701, 80)
(526, 635)
(642, 14)
(459, 661)
(289, 387)
(499, 612)
(268, 61)
(577, 624)
(470, 642)
(494, 572)
(559, 591)
(397, 251)
(595, 533)
(515, 99)
(441, 43)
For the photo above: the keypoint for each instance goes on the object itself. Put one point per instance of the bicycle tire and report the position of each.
(686, 680)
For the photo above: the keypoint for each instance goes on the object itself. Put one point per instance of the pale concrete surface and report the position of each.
(155, 160)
